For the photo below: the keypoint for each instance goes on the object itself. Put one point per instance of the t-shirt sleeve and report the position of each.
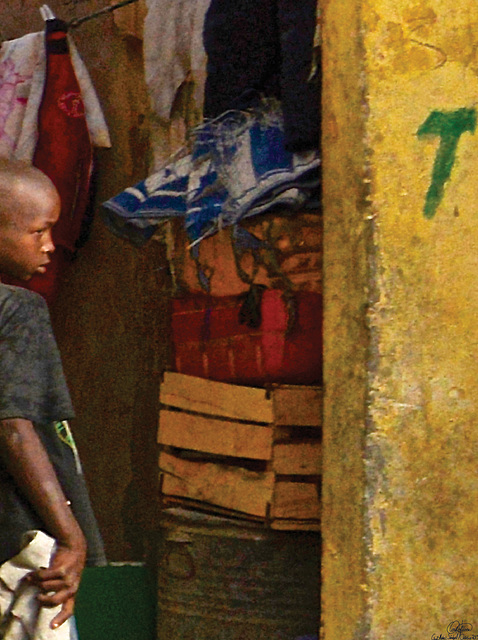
(32, 383)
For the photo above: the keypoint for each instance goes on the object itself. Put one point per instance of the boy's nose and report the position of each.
(48, 246)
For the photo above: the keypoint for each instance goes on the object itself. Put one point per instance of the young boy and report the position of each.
(41, 483)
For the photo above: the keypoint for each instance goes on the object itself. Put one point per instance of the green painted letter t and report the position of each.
(449, 125)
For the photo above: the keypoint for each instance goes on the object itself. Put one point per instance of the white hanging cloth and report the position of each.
(174, 51)
(22, 77)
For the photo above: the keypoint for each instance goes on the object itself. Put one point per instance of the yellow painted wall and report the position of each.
(345, 335)
(401, 282)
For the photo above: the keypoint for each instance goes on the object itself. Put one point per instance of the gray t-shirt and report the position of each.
(33, 387)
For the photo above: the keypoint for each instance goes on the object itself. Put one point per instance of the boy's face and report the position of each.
(25, 236)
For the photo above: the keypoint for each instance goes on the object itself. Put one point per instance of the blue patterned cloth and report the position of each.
(238, 168)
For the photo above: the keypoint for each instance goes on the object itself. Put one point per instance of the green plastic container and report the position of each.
(116, 602)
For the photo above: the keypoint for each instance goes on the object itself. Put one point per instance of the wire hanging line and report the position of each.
(47, 13)
(76, 23)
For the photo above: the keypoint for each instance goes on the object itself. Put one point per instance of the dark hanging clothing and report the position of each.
(300, 95)
(241, 40)
(264, 48)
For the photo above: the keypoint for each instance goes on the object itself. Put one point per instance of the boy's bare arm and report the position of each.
(25, 458)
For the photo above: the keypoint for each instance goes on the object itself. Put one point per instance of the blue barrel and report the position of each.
(220, 580)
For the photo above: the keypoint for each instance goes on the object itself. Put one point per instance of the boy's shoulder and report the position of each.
(17, 300)
(13, 295)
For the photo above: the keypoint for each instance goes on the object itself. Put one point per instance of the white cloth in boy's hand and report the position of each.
(21, 617)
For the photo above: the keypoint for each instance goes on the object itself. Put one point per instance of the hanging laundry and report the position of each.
(22, 80)
(174, 51)
(249, 157)
(238, 168)
(19, 59)
(264, 48)
(241, 39)
(137, 212)
(300, 88)
(130, 20)
(64, 152)
(62, 149)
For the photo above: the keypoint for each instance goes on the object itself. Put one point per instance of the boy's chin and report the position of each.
(10, 274)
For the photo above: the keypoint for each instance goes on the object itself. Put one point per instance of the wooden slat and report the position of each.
(215, 398)
(221, 437)
(225, 486)
(297, 458)
(295, 525)
(195, 505)
(297, 405)
(295, 500)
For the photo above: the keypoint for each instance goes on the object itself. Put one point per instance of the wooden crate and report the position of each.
(297, 458)
(241, 451)
(215, 398)
(215, 435)
(216, 484)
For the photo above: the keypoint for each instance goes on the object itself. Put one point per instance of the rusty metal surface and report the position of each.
(220, 580)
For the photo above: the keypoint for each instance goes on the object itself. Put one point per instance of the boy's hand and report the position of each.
(26, 459)
(59, 583)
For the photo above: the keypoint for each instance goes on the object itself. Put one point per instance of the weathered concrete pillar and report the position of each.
(400, 500)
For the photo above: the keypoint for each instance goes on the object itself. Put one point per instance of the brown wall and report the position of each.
(111, 318)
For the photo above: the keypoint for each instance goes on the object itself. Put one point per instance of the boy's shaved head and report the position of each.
(29, 208)
(19, 182)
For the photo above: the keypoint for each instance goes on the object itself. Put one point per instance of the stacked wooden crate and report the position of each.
(246, 452)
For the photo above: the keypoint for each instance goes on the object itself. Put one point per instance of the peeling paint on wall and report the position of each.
(414, 102)
(424, 159)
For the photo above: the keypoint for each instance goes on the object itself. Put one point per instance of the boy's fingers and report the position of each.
(65, 613)
(43, 575)
(53, 599)
(51, 585)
